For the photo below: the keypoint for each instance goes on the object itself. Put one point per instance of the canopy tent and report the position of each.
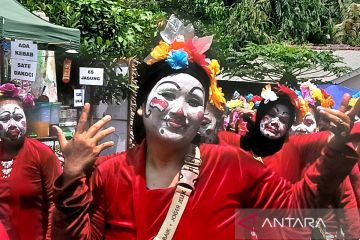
(16, 22)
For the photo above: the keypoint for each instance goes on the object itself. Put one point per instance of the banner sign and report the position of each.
(25, 50)
(23, 60)
(23, 70)
(91, 76)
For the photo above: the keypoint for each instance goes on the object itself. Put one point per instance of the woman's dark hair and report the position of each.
(149, 75)
(8, 98)
(254, 140)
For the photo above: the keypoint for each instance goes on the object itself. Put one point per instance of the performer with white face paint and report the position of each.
(12, 122)
(274, 117)
(28, 170)
(275, 123)
(168, 187)
(211, 124)
(307, 126)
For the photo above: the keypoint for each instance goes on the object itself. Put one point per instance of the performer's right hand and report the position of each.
(81, 151)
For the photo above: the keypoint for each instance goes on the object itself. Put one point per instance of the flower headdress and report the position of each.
(316, 96)
(298, 102)
(179, 47)
(12, 91)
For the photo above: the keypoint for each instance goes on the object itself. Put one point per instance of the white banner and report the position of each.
(79, 96)
(91, 76)
(25, 50)
(23, 70)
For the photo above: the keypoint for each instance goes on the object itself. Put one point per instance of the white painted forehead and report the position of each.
(10, 106)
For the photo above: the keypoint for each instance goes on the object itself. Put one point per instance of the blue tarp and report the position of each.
(337, 92)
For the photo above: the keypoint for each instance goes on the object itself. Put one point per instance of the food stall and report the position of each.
(28, 45)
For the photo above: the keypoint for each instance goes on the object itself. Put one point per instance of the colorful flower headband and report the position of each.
(12, 91)
(316, 96)
(299, 103)
(179, 47)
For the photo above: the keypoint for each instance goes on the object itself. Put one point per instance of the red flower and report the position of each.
(324, 93)
(293, 96)
(256, 99)
(9, 89)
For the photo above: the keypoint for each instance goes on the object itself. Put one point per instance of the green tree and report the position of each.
(286, 64)
(348, 31)
(109, 29)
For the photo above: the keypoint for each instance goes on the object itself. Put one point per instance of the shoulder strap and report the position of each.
(187, 179)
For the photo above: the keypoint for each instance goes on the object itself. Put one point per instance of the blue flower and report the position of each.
(249, 97)
(178, 59)
(356, 95)
(298, 93)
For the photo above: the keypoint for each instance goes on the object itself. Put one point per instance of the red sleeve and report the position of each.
(3, 233)
(73, 203)
(72, 212)
(320, 183)
(50, 170)
(310, 145)
(348, 213)
(355, 183)
(356, 127)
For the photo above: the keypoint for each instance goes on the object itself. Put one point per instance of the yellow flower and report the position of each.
(317, 94)
(216, 95)
(234, 103)
(353, 101)
(303, 109)
(215, 66)
(161, 51)
(328, 102)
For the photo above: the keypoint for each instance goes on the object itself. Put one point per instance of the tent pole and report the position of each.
(2, 70)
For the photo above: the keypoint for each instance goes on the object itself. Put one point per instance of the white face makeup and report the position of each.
(308, 125)
(174, 108)
(275, 123)
(208, 129)
(12, 122)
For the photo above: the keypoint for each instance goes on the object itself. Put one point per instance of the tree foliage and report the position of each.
(242, 30)
(348, 31)
(109, 29)
(286, 64)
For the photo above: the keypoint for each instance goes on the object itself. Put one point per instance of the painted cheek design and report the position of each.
(23, 123)
(160, 104)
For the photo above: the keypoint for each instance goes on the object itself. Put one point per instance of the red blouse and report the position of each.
(115, 203)
(26, 196)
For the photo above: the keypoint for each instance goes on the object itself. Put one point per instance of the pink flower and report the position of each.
(28, 100)
(10, 90)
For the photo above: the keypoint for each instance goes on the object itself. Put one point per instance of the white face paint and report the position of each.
(12, 122)
(208, 126)
(308, 125)
(275, 123)
(174, 108)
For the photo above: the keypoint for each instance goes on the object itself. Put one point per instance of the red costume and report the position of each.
(116, 204)
(26, 195)
(3, 234)
(291, 162)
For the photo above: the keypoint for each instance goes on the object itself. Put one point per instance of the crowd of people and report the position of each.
(197, 160)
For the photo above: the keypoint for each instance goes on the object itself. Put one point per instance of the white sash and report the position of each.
(187, 179)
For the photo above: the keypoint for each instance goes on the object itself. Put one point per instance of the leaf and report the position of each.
(137, 27)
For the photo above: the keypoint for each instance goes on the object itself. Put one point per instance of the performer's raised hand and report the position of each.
(341, 119)
(81, 151)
